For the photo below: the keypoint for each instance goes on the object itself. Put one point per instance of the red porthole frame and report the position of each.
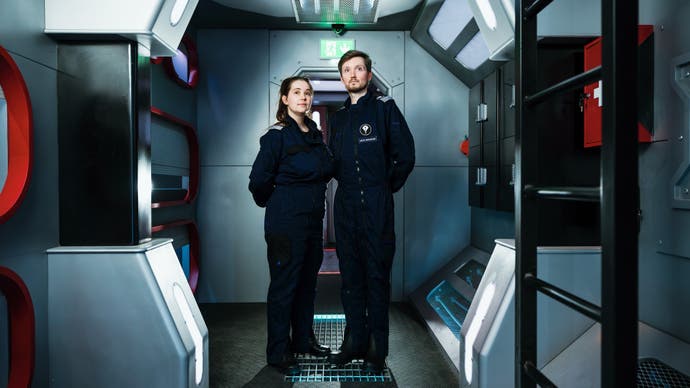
(193, 143)
(22, 328)
(19, 136)
(193, 233)
(192, 64)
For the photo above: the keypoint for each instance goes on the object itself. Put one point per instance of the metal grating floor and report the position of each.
(654, 373)
(329, 330)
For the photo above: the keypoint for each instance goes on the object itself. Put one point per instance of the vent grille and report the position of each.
(336, 11)
(654, 373)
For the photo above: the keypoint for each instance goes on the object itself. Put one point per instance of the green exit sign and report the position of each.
(335, 48)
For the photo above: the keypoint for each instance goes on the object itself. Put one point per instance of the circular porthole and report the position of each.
(16, 132)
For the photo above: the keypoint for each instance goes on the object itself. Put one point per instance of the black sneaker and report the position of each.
(345, 355)
(373, 361)
(373, 367)
(313, 348)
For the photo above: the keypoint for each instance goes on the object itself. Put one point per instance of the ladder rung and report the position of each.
(535, 8)
(536, 375)
(572, 193)
(576, 303)
(571, 83)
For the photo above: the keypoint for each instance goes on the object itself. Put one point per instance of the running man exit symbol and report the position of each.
(330, 49)
(335, 48)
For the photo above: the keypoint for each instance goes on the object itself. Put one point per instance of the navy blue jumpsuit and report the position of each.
(374, 154)
(289, 178)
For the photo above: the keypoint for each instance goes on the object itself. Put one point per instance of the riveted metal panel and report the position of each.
(292, 50)
(436, 104)
(436, 221)
(234, 268)
(34, 226)
(664, 248)
(21, 31)
(232, 99)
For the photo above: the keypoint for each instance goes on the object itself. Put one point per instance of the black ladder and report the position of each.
(618, 195)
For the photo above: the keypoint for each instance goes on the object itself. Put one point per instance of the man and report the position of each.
(374, 154)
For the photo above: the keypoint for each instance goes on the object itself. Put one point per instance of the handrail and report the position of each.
(535, 8)
(536, 375)
(574, 82)
(573, 301)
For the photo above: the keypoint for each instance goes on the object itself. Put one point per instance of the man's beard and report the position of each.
(356, 89)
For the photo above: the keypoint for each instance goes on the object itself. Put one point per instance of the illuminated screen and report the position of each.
(471, 272)
(450, 305)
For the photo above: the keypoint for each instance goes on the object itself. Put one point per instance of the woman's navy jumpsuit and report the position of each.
(289, 178)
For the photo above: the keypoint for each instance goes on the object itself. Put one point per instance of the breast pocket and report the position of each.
(368, 136)
(371, 152)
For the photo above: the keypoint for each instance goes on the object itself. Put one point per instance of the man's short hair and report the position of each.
(352, 54)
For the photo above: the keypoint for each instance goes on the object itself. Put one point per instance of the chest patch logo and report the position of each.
(365, 129)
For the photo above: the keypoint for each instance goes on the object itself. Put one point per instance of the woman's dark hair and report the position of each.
(282, 113)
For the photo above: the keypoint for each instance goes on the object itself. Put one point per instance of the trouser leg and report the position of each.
(353, 291)
(378, 302)
(303, 307)
(353, 296)
(284, 267)
(379, 249)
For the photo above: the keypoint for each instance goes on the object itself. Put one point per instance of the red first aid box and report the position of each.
(645, 76)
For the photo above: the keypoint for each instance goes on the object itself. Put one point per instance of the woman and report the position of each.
(289, 178)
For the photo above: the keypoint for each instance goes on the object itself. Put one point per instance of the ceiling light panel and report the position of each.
(474, 53)
(450, 20)
(336, 11)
